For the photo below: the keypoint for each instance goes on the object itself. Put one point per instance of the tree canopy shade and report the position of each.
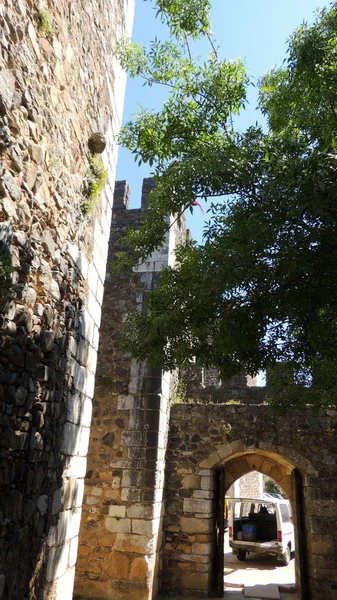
(262, 288)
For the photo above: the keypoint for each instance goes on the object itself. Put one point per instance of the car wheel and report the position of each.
(286, 556)
(242, 555)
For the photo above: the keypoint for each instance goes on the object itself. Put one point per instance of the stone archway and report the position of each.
(286, 473)
(287, 467)
(193, 546)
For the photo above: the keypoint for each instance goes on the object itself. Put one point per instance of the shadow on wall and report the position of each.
(45, 416)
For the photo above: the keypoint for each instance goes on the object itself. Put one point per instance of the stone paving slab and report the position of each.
(260, 592)
(231, 595)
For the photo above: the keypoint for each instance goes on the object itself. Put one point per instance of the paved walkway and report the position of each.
(254, 570)
(229, 595)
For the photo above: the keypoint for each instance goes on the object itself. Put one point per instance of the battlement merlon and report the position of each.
(176, 227)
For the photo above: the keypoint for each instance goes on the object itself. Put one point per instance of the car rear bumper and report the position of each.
(273, 548)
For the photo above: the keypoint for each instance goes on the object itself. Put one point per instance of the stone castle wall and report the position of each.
(57, 87)
(205, 385)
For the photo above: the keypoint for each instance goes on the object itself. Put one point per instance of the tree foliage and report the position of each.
(262, 287)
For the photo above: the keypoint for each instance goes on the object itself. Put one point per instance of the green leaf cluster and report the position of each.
(185, 17)
(261, 289)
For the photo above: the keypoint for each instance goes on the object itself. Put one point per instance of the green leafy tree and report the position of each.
(261, 289)
(271, 487)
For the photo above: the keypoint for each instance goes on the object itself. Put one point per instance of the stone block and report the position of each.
(194, 558)
(86, 412)
(79, 377)
(139, 544)
(83, 441)
(205, 483)
(194, 581)
(127, 590)
(322, 545)
(131, 479)
(203, 494)
(73, 552)
(190, 481)
(118, 566)
(130, 495)
(193, 525)
(90, 384)
(57, 500)
(57, 562)
(91, 500)
(92, 359)
(79, 491)
(212, 460)
(71, 439)
(68, 525)
(115, 525)
(131, 438)
(117, 511)
(142, 511)
(94, 309)
(224, 451)
(201, 549)
(74, 404)
(192, 505)
(144, 527)
(125, 402)
(139, 569)
(77, 467)
(64, 584)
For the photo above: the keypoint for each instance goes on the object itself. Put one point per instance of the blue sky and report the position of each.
(255, 30)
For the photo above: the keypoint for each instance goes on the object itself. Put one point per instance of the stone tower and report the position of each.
(120, 542)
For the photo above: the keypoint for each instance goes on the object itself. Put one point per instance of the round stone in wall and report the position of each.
(97, 143)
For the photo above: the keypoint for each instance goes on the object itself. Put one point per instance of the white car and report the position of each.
(261, 525)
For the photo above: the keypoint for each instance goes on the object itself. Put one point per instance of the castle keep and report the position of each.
(101, 475)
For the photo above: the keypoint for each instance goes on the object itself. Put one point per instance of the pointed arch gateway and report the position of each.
(285, 466)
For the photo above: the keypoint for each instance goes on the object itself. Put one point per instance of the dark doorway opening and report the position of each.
(230, 575)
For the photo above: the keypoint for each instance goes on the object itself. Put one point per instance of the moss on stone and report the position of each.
(46, 22)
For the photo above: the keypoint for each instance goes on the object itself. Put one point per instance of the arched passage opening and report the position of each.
(259, 540)
(287, 473)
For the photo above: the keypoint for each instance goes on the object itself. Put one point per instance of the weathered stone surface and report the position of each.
(139, 570)
(53, 93)
(7, 86)
(8, 186)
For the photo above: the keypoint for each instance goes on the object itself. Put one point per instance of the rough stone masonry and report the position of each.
(121, 531)
(59, 84)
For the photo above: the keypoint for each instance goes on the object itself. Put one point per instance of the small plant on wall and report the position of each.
(46, 22)
(96, 180)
